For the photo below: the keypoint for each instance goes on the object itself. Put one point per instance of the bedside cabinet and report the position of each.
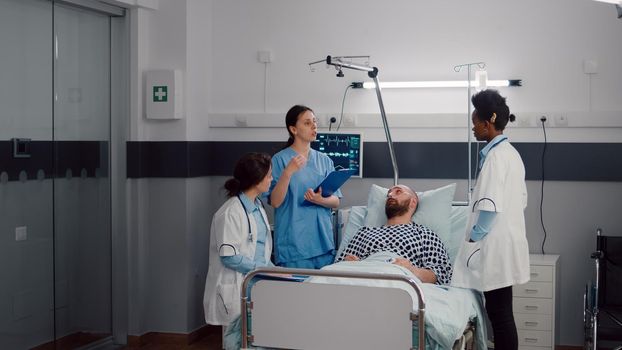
(534, 304)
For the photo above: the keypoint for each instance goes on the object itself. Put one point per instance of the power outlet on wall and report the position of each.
(349, 120)
(590, 66)
(542, 118)
(322, 121)
(523, 122)
(265, 56)
(560, 120)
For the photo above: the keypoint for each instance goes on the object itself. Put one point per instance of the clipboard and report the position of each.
(333, 182)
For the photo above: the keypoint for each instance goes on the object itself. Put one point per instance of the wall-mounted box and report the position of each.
(164, 97)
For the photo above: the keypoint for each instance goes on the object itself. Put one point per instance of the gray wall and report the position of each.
(168, 253)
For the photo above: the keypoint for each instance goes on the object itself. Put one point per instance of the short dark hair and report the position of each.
(249, 170)
(487, 102)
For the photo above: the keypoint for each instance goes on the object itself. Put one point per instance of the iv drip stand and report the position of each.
(457, 69)
(372, 72)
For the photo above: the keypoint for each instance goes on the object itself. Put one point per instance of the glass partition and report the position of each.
(55, 221)
(26, 185)
(81, 131)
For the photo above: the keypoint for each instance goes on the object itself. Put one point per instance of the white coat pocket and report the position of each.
(226, 294)
(473, 256)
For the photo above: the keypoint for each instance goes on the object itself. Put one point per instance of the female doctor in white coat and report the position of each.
(240, 239)
(495, 255)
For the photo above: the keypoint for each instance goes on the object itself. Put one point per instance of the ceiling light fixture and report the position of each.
(436, 84)
(618, 4)
(615, 2)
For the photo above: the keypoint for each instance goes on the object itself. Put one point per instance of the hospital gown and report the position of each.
(415, 242)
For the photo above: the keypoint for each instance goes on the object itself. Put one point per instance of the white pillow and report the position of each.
(458, 222)
(433, 210)
(356, 219)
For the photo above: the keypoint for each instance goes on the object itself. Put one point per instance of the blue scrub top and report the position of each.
(492, 144)
(302, 231)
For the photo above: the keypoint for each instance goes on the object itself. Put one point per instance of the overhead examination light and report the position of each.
(618, 4)
(340, 62)
(615, 2)
(435, 84)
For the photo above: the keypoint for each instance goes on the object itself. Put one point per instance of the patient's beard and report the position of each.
(394, 208)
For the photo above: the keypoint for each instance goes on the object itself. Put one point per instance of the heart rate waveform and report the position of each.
(345, 150)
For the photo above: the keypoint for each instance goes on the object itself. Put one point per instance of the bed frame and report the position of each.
(282, 312)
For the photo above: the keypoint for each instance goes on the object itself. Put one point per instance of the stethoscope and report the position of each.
(485, 199)
(248, 219)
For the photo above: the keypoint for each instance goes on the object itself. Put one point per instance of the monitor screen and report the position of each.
(346, 150)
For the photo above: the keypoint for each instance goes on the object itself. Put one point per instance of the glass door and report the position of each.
(26, 172)
(81, 130)
(55, 188)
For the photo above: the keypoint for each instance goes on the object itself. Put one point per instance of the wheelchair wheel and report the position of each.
(588, 322)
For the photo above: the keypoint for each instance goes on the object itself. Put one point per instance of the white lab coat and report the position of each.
(501, 258)
(229, 236)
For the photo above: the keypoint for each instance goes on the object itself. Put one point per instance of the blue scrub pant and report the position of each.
(315, 262)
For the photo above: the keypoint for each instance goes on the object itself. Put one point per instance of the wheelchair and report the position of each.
(602, 300)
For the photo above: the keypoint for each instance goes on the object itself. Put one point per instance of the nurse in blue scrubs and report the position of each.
(303, 226)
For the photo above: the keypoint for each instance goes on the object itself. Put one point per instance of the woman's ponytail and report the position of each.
(232, 186)
(249, 171)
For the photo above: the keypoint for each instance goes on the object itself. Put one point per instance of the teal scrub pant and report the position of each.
(315, 262)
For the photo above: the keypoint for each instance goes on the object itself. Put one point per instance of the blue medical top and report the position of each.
(484, 152)
(242, 263)
(483, 225)
(302, 232)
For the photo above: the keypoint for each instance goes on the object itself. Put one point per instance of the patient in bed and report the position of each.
(421, 251)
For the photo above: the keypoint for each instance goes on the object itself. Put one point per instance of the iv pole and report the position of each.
(457, 69)
(372, 72)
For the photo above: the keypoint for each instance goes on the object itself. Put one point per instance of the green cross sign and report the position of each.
(160, 93)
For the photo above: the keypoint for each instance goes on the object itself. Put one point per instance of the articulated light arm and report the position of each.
(337, 62)
(372, 72)
(387, 133)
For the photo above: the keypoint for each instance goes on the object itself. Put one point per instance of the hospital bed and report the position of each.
(358, 305)
(336, 309)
